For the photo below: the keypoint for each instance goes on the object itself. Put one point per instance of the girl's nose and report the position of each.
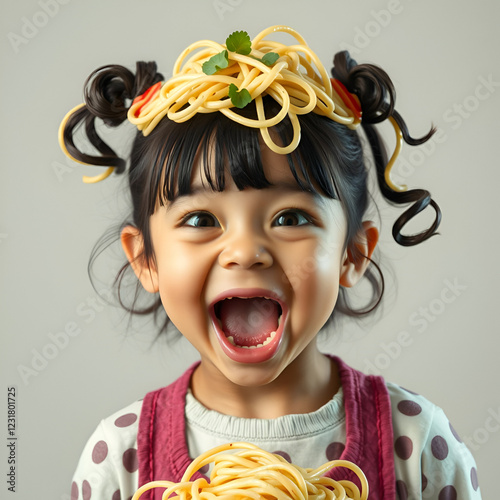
(245, 251)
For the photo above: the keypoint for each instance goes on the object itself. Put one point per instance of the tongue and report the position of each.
(249, 321)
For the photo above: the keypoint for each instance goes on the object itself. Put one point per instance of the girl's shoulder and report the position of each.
(109, 459)
(425, 440)
(414, 414)
(420, 426)
(122, 425)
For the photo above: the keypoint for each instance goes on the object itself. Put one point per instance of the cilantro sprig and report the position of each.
(215, 63)
(239, 98)
(270, 58)
(240, 43)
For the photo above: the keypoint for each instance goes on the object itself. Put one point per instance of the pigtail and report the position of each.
(420, 198)
(377, 96)
(108, 93)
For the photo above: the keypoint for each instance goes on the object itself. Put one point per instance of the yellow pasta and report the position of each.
(298, 81)
(256, 474)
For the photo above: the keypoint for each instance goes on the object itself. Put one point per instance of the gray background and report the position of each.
(438, 54)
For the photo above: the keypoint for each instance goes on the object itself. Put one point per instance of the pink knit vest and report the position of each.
(163, 452)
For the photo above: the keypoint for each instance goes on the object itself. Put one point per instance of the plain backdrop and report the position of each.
(74, 360)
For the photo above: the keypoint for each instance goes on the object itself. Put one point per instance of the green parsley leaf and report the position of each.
(270, 58)
(239, 42)
(215, 63)
(239, 98)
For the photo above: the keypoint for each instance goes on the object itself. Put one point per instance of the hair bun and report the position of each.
(109, 88)
(108, 91)
(342, 65)
(146, 74)
(369, 83)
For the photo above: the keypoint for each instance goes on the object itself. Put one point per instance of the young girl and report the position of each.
(249, 192)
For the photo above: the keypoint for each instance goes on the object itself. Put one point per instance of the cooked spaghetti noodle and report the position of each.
(256, 474)
(295, 78)
(298, 81)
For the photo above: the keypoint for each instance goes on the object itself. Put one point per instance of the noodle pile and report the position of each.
(297, 80)
(293, 76)
(256, 474)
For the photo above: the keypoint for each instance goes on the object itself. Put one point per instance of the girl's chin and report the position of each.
(248, 375)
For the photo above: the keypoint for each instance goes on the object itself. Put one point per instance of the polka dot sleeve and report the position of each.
(108, 469)
(431, 461)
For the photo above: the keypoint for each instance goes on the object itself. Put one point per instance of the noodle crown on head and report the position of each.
(256, 474)
(209, 77)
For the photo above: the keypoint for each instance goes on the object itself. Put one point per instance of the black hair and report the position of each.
(329, 159)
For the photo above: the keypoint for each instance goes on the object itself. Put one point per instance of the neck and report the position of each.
(305, 385)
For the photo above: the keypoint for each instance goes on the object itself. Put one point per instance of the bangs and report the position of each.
(169, 154)
(216, 143)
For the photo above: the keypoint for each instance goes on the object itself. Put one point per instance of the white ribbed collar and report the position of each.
(295, 426)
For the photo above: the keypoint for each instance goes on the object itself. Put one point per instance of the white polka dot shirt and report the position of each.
(431, 462)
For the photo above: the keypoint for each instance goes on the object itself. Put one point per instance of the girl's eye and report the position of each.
(292, 218)
(200, 219)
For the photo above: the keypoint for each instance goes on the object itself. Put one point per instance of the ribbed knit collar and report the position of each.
(253, 429)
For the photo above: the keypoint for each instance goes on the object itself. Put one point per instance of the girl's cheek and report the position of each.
(310, 263)
(179, 274)
(314, 278)
(182, 281)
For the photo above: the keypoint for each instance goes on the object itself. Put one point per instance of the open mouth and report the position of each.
(249, 322)
(249, 326)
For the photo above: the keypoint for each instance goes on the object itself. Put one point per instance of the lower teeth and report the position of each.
(267, 341)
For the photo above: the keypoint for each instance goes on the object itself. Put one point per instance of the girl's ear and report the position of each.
(354, 266)
(133, 246)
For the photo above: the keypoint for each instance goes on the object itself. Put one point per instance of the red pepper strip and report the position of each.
(351, 100)
(147, 96)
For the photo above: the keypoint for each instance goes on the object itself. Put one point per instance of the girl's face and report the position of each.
(249, 277)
